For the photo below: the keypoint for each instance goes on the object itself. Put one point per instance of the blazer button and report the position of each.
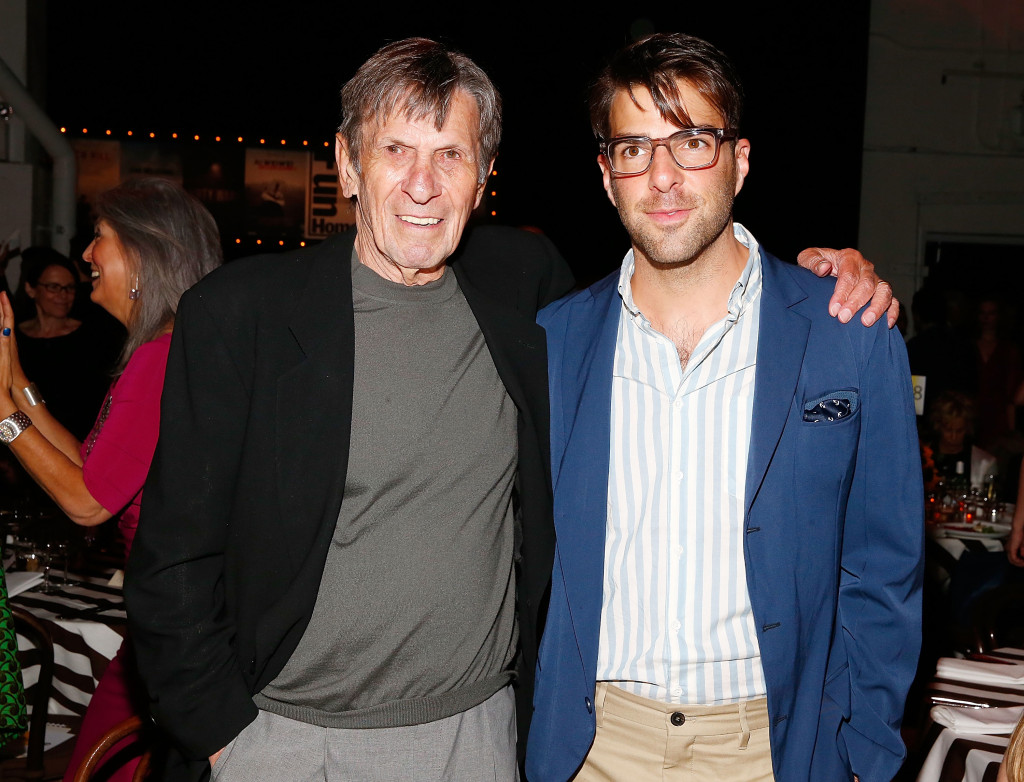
(677, 718)
(590, 706)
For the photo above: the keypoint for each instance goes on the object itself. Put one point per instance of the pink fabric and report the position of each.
(117, 698)
(114, 470)
(116, 467)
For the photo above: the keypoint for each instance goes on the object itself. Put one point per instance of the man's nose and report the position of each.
(422, 182)
(664, 172)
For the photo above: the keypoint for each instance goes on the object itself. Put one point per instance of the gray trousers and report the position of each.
(476, 745)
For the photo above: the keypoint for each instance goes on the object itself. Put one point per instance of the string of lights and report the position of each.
(248, 241)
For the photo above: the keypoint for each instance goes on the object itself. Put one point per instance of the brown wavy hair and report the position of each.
(658, 63)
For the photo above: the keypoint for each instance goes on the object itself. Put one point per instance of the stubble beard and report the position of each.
(679, 245)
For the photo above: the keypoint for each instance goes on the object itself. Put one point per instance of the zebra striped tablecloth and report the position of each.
(962, 757)
(87, 623)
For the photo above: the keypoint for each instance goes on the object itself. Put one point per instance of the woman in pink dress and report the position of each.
(152, 242)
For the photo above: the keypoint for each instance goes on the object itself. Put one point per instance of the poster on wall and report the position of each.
(150, 159)
(275, 191)
(328, 212)
(216, 176)
(99, 166)
(99, 169)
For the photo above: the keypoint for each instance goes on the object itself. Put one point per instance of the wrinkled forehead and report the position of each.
(457, 112)
(456, 124)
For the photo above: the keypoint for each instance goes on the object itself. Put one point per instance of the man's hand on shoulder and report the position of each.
(857, 284)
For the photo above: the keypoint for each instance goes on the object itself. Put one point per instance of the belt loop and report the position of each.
(744, 728)
(600, 693)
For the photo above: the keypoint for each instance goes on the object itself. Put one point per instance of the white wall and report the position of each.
(943, 142)
(15, 175)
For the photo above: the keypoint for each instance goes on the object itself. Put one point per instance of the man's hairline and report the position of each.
(402, 109)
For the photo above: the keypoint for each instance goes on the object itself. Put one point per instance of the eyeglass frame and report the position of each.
(720, 134)
(56, 287)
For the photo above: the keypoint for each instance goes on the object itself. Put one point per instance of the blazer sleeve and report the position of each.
(882, 561)
(174, 588)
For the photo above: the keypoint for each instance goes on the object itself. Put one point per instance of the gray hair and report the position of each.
(170, 242)
(420, 78)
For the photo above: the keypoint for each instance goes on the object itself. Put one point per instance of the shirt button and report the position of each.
(677, 718)
(677, 691)
(677, 404)
(680, 475)
(679, 551)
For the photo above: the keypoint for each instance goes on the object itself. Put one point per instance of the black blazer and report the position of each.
(243, 495)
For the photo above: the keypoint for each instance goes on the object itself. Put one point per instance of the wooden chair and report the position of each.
(42, 655)
(96, 755)
(1013, 760)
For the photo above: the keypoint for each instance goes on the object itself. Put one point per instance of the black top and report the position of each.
(72, 373)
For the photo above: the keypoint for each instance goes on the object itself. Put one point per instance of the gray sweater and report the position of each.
(415, 617)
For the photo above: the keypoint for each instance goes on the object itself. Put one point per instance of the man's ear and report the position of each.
(480, 187)
(348, 176)
(606, 176)
(742, 158)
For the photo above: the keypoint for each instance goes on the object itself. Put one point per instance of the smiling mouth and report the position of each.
(419, 220)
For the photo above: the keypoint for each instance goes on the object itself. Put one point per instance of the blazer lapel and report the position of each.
(518, 349)
(581, 477)
(314, 387)
(781, 344)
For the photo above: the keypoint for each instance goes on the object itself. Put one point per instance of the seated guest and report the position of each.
(68, 360)
(951, 417)
(152, 242)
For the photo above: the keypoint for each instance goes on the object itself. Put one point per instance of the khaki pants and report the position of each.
(643, 740)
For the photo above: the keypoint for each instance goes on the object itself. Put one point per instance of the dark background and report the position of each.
(250, 70)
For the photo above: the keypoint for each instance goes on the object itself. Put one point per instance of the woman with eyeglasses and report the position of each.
(153, 241)
(68, 360)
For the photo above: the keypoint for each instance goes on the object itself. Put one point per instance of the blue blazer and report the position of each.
(834, 523)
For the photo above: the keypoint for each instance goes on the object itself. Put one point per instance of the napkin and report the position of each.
(978, 672)
(989, 721)
(21, 580)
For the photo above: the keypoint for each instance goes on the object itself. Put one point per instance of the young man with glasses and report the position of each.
(738, 504)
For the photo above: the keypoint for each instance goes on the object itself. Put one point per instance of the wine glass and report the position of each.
(44, 552)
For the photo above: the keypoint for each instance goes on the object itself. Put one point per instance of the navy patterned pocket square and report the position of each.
(831, 407)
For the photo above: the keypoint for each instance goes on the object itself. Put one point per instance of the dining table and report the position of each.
(975, 704)
(86, 621)
(947, 542)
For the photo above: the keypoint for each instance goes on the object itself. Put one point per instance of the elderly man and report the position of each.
(738, 502)
(347, 531)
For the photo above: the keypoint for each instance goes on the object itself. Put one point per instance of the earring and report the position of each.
(133, 294)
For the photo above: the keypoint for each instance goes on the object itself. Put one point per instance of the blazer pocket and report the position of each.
(833, 407)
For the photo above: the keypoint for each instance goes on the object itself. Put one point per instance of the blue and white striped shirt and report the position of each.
(676, 621)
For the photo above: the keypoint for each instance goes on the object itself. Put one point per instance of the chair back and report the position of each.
(97, 753)
(997, 619)
(1013, 760)
(39, 693)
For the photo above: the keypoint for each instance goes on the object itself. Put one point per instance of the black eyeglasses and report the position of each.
(55, 288)
(690, 149)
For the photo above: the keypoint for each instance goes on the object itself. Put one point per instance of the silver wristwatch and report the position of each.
(13, 425)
